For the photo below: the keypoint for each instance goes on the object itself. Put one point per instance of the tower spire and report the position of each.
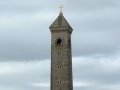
(60, 22)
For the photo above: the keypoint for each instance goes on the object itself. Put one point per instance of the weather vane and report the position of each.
(61, 7)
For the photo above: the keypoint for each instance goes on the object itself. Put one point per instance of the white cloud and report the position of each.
(40, 84)
(81, 84)
(93, 72)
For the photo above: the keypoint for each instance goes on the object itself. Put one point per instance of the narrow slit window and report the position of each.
(59, 82)
(59, 66)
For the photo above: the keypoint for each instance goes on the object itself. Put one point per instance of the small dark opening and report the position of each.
(59, 42)
(59, 53)
(59, 82)
(59, 66)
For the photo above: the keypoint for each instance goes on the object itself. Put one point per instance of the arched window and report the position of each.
(59, 42)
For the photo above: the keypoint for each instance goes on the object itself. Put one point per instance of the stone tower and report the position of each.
(61, 54)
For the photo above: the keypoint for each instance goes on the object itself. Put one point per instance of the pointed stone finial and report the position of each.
(61, 7)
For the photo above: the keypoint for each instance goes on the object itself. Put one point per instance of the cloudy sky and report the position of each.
(25, 43)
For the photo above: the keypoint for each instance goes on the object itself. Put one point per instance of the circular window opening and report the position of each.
(59, 42)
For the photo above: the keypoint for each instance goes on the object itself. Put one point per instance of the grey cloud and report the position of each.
(25, 36)
(25, 42)
(31, 6)
(91, 5)
(96, 30)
